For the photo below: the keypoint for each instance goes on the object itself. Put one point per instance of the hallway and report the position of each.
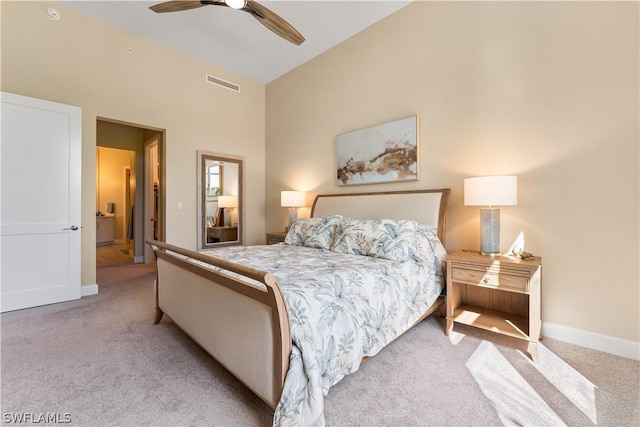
(113, 254)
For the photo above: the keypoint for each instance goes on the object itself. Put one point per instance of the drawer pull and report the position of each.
(485, 280)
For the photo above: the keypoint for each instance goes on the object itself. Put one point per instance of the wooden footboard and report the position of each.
(242, 325)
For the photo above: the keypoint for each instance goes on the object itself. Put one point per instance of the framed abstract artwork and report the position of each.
(383, 153)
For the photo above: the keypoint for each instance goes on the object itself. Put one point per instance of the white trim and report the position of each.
(126, 172)
(606, 343)
(151, 164)
(87, 290)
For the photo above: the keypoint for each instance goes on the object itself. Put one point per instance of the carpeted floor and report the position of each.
(100, 361)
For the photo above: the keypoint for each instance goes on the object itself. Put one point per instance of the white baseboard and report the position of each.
(606, 343)
(86, 290)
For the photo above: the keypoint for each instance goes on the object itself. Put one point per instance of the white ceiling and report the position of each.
(235, 40)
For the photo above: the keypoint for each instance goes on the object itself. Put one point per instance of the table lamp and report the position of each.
(225, 202)
(293, 200)
(490, 191)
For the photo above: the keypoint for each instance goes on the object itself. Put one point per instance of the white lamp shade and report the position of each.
(293, 199)
(227, 201)
(491, 191)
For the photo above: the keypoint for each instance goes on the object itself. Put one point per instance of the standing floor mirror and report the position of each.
(220, 200)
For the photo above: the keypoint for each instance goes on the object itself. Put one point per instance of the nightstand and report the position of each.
(496, 293)
(222, 234)
(276, 237)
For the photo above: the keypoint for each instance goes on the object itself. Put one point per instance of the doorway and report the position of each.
(115, 190)
(131, 188)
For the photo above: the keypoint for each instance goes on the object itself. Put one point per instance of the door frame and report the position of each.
(151, 199)
(126, 202)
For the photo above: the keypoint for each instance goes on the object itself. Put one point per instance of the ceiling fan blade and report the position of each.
(176, 6)
(273, 22)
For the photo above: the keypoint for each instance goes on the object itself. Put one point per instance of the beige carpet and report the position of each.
(101, 362)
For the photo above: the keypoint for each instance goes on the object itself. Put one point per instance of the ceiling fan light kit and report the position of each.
(235, 4)
(264, 15)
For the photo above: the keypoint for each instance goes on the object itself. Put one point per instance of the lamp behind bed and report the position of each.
(293, 200)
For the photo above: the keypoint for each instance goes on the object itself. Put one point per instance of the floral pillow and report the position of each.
(313, 232)
(397, 240)
(423, 245)
(372, 237)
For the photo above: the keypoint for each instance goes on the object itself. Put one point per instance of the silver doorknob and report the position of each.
(72, 228)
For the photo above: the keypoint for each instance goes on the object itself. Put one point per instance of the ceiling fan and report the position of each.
(266, 17)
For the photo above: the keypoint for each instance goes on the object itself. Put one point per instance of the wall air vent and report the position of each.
(223, 83)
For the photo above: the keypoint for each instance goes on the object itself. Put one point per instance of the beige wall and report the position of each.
(547, 91)
(80, 61)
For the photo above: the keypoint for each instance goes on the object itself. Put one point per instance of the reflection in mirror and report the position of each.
(220, 200)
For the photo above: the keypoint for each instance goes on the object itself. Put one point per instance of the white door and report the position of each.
(40, 211)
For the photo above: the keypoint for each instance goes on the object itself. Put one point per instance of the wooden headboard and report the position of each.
(424, 206)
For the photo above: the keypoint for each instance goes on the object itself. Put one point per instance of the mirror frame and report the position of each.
(203, 157)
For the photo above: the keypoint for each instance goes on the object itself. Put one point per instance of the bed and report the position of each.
(290, 320)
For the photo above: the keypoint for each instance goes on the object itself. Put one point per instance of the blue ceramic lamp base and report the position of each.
(490, 231)
(293, 217)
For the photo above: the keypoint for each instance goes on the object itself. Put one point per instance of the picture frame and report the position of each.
(379, 154)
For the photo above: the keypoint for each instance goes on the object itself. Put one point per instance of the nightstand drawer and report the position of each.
(491, 277)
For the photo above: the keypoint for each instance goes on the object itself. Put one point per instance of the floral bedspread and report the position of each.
(341, 308)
